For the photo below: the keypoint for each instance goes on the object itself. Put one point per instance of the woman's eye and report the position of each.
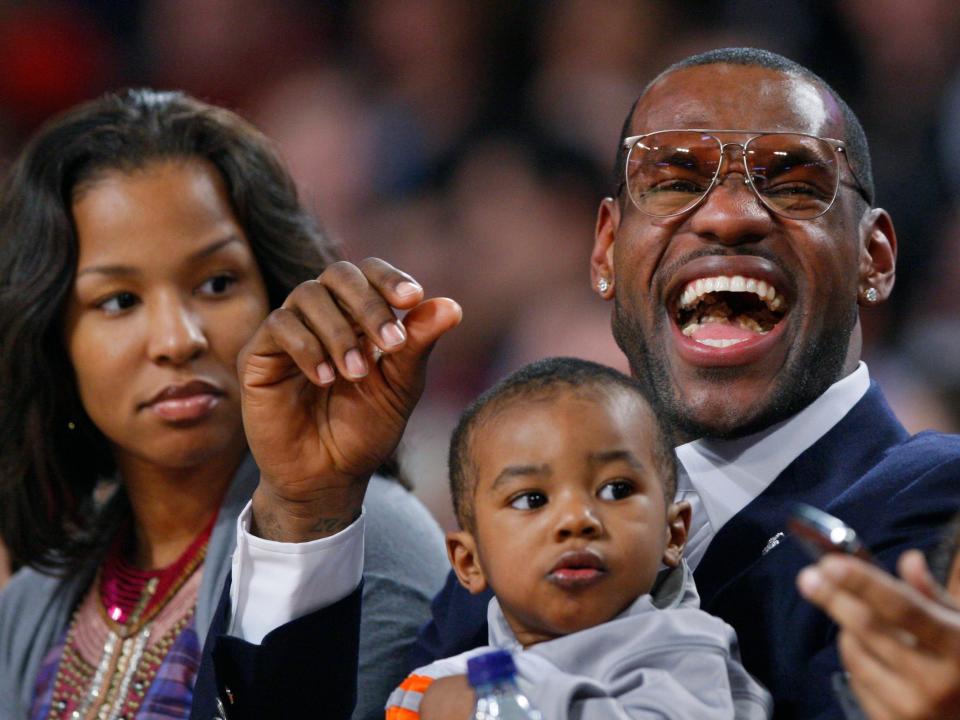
(118, 303)
(528, 501)
(217, 285)
(616, 490)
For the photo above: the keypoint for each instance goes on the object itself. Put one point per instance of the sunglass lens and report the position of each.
(669, 172)
(795, 175)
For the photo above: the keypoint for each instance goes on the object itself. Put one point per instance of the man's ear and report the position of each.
(602, 274)
(878, 255)
(678, 527)
(462, 551)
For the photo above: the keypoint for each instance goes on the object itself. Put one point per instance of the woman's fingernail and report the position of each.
(809, 581)
(392, 334)
(407, 287)
(325, 373)
(356, 365)
(835, 566)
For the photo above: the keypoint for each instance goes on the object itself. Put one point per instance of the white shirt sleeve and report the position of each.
(276, 582)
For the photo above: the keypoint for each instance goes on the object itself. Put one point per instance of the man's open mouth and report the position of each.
(725, 310)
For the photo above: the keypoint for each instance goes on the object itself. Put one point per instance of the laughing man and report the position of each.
(740, 245)
(738, 249)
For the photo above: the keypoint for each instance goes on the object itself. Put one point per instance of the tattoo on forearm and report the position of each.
(272, 524)
(331, 525)
(266, 526)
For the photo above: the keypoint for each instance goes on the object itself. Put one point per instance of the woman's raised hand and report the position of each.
(328, 383)
(899, 639)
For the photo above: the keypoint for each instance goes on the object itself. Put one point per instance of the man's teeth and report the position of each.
(737, 283)
(719, 343)
(745, 322)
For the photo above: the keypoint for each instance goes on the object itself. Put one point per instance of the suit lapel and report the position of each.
(818, 476)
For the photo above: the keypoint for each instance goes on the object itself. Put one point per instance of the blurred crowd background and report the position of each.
(468, 142)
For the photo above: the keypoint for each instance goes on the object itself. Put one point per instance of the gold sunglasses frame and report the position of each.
(839, 148)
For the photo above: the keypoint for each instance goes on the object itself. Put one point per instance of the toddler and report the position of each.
(563, 485)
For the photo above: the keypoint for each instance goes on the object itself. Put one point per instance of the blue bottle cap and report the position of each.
(490, 667)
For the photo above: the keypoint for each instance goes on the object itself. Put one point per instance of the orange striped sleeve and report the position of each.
(399, 713)
(404, 702)
(416, 683)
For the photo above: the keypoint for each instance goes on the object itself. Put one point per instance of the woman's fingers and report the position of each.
(850, 590)
(900, 646)
(920, 685)
(857, 617)
(869, 682)
(913, 569)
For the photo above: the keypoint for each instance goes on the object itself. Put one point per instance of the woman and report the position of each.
(144, 237)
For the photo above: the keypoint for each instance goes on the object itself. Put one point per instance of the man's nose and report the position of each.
(577, 518)
(176, 333)
(731, 213)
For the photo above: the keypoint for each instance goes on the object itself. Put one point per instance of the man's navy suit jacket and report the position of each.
(304, 669)
(896, 491)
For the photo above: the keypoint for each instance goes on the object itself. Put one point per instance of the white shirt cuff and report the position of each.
(276, 582)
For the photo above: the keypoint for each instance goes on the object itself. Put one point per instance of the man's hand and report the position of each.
(322, 409)
(899, 639)
(449, 697)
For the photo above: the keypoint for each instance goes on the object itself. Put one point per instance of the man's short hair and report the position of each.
(540, 380)
(858, 152)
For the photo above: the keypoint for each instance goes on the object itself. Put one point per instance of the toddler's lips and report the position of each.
(576, 569)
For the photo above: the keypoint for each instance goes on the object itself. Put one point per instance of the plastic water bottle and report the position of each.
(493, 677)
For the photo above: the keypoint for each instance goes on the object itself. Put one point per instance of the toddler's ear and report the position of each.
(462, 551)
(678, 526)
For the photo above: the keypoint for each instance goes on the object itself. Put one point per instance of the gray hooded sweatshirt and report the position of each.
(663, 657)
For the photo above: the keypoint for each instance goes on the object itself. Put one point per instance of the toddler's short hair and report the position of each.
(538, 380)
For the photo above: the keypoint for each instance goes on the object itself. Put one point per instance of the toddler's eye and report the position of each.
(529, 501)
(616, 490)
(217, 285)
(118, 303)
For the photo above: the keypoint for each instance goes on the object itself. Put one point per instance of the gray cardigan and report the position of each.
(404, 566)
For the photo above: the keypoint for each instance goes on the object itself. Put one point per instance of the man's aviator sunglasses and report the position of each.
(796, 175)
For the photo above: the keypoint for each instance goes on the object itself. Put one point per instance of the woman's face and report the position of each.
(167, 291)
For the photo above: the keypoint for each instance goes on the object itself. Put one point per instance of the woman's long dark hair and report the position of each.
(51, 454)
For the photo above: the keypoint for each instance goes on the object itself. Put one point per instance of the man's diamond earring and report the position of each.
(603, 285)
(871, 295)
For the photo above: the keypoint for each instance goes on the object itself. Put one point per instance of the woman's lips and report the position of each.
(184, 409)
(185, 402)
